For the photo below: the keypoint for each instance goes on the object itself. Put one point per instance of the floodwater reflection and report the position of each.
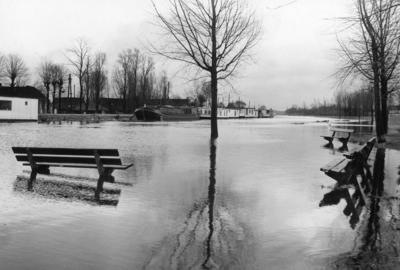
(208, 235)
(341, 149)
(377, 242)
(354, 203)
(247, 201)
(372, 235)
(211, 198)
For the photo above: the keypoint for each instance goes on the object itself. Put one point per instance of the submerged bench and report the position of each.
(344, 169)
(343, 139)
(41, 159)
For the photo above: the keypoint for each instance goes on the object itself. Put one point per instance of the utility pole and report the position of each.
(69, 94)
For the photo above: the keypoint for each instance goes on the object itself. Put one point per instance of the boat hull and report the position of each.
(148, 114)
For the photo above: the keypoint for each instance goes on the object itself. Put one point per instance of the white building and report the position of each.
(20, 103)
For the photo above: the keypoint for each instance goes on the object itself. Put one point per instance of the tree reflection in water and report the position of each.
(210, 239)
(377, 245)
(211, 199)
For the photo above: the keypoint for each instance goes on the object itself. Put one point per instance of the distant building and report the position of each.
(72, 105)
(21, 103)
(110, 105)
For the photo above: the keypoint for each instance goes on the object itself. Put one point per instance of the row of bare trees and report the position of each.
(54, 75)
(372, 51)
(134, 79)
(90, 70)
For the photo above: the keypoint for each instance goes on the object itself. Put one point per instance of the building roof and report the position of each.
(21, 92)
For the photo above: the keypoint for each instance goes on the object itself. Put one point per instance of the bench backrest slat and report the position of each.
(364, 150)
(66, 151)
(342, 130)
(69, 159)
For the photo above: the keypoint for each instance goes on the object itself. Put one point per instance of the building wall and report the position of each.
(21, 109)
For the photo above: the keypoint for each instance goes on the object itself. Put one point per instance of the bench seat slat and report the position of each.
(72, 165)
(66, 151)
(332, 164)
(341, 167)
(67, 159)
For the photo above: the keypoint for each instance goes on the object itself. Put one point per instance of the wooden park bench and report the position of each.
(344, 169)
(41, 159)
(343, 139)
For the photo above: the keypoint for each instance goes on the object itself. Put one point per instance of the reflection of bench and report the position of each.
(40, 159)
(344, 139)
(344, 169)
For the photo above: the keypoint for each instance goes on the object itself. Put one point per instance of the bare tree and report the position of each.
(87, 76)
(121, 75)
(44, 71)
(2, 59)
(147, 77)
(99, 77)
(55, 75)
(215, 36)
(15, 70)
(135, 62)
(162, 85)
(373, 52)
(62, 78)
(79, 52)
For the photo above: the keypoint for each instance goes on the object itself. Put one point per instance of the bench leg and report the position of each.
(344, 141)
(104, 177)
(32, 179)
(99, 188)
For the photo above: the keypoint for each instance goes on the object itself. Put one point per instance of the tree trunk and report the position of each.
(378, 113)
(214, 80)
(384, 94)
(214, 110)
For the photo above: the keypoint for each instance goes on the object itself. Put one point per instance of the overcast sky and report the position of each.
(295, 58)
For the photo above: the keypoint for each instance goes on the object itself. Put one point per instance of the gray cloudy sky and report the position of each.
(294, 59)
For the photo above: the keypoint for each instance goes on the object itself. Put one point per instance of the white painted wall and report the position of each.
(20, 110)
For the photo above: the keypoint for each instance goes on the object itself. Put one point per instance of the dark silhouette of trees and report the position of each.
(345, 103)
(79, 52)
(15, 70)
(215, 36)
(121, 76)
(135, 62)
(98, 77)
(147, 77)
(2, 59)
(58, 77)
(44, 70)
(62, 78)
(87, 80)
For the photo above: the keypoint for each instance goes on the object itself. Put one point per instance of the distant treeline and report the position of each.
(358, 103)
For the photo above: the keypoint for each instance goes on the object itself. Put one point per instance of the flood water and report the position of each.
(249, 200)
